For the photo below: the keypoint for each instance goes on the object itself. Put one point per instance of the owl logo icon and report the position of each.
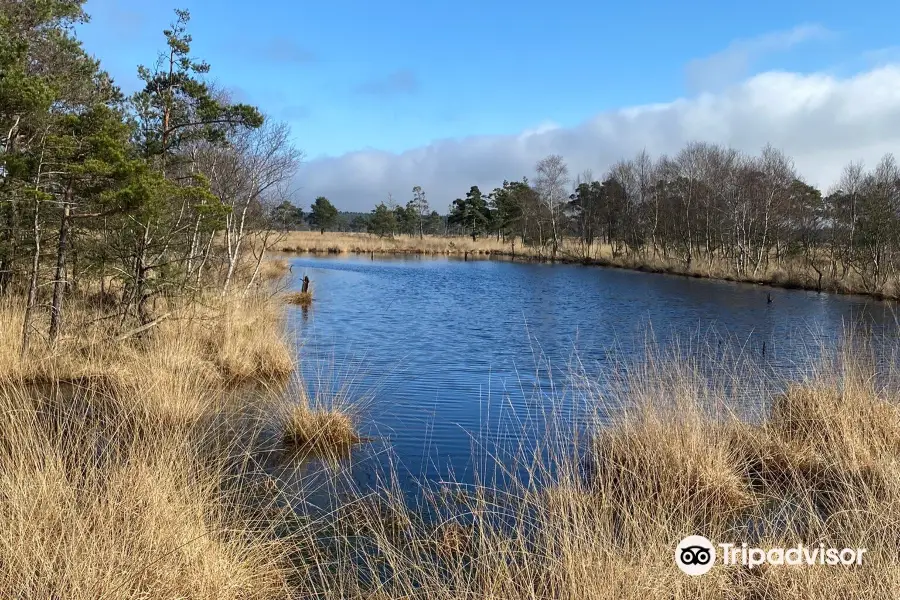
(695, 555)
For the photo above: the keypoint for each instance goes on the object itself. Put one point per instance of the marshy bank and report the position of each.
(817, 467)
(780, 272)
(141, 467)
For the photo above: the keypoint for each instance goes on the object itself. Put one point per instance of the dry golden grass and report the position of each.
(97, 512)
(273, 269)
(364, 243)
(235, 338)
(787, 273)
(115, 486)
(319, 431)
(128, 469)
(303, 299)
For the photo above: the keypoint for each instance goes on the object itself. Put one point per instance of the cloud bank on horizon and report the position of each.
(822, 121)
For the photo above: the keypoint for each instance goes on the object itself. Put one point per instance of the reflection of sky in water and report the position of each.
(455, 356)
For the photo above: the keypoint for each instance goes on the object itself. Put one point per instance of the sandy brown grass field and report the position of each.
(365, 243)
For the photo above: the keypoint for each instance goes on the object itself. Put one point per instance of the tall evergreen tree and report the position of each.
(322, 215)
(471, 213)
(175, 108)
(382, 222)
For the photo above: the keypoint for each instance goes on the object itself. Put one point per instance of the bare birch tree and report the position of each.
(551, 184)
(259, 160)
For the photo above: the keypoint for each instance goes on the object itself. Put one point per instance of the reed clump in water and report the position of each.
(302, 299)
(320, 432)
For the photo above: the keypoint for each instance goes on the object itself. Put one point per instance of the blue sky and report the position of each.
(380, 80)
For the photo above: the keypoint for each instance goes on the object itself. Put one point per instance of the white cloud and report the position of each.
(822, 121)
(544, 127)
(717, 71)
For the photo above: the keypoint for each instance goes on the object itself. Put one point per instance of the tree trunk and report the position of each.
(140, 277)
(59, 283)
(235, 235)
(259, 261)
(205, 257)
(33, 283)
(8, 261)
(195, 245)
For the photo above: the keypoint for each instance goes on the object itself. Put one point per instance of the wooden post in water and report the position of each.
(305, 287)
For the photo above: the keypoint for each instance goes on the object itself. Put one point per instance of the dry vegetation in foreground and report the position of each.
(133, 468)
(137, 469)
(785, 273)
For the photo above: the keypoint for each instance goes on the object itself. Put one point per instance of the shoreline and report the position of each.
(491, 254)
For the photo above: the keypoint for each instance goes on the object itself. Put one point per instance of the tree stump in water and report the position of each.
(305, 288)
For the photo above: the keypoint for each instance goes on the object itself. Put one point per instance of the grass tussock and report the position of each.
(301, 299)
(319, 431)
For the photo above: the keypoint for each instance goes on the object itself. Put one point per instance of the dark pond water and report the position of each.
(452, 357)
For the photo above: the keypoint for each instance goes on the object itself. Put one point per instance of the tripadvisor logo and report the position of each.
(696, 555)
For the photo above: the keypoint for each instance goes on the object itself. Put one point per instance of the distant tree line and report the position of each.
(141, 197)
(415, 218)
(706, 202)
